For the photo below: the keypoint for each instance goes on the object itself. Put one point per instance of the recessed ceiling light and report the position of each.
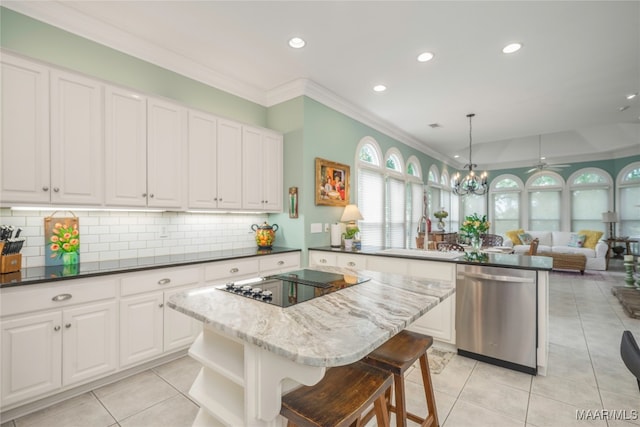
(632, 95)
(379, 88)
(543, 158)
(456, 156)
(297, 43)
(511, 48)
(425, 56)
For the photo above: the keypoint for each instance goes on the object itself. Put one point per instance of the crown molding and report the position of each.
(69, 19)
(311, 89)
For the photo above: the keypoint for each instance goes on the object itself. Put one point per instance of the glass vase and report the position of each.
(69, 258)
(476, 243)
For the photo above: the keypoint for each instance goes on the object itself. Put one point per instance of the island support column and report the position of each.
(242, 384)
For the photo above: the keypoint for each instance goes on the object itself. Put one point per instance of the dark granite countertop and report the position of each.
(523, 262)
(34, 275)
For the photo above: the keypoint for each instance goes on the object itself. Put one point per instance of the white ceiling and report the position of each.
(568, 82)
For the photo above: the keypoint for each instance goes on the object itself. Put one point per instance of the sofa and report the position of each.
(558, 242)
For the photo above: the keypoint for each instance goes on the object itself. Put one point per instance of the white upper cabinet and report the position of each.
(214, 162)
(76, 140)
(203, 159)
(24, 147)
(166, 154)
(72, 140)
(51, 136)
(229, 164)
(125, 148)
(262, 169)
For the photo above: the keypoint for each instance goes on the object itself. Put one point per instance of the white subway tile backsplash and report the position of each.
(122, 235)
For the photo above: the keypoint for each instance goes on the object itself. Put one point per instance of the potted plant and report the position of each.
(349, 236)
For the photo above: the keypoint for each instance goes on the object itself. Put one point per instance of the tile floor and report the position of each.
(585, 373)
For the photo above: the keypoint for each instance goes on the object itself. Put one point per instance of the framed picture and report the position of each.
(332, 183)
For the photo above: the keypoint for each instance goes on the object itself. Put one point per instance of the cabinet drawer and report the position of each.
(158, 280)
(224, 270)
(279, 262)
(322, 258)
(48, 296)
(352, 261)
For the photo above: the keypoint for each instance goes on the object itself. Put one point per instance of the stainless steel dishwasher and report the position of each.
(496, 316)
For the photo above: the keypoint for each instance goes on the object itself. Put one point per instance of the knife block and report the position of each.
(10, 263)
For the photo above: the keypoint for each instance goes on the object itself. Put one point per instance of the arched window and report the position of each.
(415, 194)
(434, 190)
(629, 201)
(544, 191)
(371, 194)
(505, 194)
(591, 195)
(445, 202)
(395, 200)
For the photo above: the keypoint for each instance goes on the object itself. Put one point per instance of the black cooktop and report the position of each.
(293, 287)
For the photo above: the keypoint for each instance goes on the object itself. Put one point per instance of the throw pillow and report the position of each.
(525, 238)
(513, 236)
(591, 238)
(577, 240)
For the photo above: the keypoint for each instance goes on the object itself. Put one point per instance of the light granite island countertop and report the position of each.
(252, 352)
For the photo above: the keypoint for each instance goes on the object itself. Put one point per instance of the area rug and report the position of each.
(438, 359)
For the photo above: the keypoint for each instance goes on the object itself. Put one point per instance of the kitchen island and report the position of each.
(252, 352)
(441, 322)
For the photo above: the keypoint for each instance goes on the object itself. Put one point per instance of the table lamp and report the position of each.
(610, 218)
(350, 215)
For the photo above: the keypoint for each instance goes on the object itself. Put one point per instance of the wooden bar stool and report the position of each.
(340, 398)
(396, 356)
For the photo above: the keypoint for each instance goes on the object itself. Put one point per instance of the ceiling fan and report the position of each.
(541, 165)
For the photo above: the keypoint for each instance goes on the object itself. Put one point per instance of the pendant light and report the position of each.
(472, 183)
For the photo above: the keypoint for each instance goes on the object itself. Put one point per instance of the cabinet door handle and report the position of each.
(61, 297)
(323, 261)
(56, 328)
(351, 264)
(144, 194)
(151, 195)
(68, 325)
(161, 305)
(280, 262)
(56, 189)
(45, 188)
(164, 281)
(220, 199)
(234, 270)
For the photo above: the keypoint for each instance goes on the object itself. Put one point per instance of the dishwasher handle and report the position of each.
(496, 277)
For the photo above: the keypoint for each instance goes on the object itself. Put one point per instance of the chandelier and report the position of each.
(472, 183)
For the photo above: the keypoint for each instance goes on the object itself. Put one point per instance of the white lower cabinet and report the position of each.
(89, 341)
(141, 327)
(31, 356)
(43, 352)
(180, 330)
(148, 328)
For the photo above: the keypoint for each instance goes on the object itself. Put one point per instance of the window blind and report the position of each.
(371, 205)
(395, 213)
